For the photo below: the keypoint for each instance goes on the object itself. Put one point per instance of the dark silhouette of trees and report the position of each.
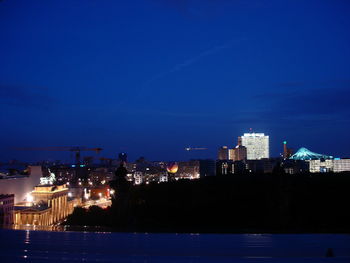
(254, 203)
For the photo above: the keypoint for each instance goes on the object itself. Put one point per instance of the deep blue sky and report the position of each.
(151, 77)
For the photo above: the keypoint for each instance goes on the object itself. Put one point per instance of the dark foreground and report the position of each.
(46, 246)
(275, 203)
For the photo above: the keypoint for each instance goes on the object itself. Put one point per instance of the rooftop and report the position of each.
(305, 154)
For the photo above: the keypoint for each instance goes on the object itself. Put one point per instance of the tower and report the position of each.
(257, 145)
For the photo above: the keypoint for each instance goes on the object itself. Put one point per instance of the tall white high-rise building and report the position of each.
(257, 145)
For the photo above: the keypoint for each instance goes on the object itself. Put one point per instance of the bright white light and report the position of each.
(112, 192)
(70, 195)
(100, 194)
(67, 183)
(29, 197)
(79, 183)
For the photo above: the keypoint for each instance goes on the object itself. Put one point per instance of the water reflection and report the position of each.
(52, 246)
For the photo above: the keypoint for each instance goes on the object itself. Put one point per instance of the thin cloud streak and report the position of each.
(194, 59)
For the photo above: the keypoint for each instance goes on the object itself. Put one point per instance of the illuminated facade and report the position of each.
(257, 145)
(49, 205)
(305, 154)
(223, 153)
(188, 170)
(321, 166)
(239, 153)
(341, 165)
(329, 165)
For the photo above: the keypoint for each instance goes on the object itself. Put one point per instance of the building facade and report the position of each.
(49, 205)
(321, 166)
(329, 165)
(6, 209)
(223, 153)
(239, 153)
(257, 145)
(341, 165)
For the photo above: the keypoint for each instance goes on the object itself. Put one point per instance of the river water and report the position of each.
(66, 246)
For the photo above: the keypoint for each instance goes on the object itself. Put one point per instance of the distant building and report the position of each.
(223, 153)
(295, 166)
(329, 165)
(262, 165)
(305, 154)
(321, 166)
(239, 167)
(224, 167)
(257, 145)
(287, 152)
(163, 178)
(341, 165)
(6, 209)
(239, 153)
(188, 170)
(138, 178)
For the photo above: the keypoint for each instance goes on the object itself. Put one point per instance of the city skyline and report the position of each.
(152, 77)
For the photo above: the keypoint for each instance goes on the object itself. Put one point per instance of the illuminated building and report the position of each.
(239, 153)
(188, 170)
(223, 153)
(305, 154)
(321, 166)
(231, 154)
(100, 191)
(6, 209)
(49, 205)
(336, 165)
(257, 145)
(138, 178)
(341, 165)
(287, 152)
(224, 167)
(163, 178)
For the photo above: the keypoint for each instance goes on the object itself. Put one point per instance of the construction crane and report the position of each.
(75, 149)
(195, 148)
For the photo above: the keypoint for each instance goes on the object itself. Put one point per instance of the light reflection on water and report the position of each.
(44, 246)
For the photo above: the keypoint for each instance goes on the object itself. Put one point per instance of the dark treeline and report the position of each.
(254, 203)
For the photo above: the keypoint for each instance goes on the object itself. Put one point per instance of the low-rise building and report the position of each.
(341, 165)
(321, 166)
(336, 165)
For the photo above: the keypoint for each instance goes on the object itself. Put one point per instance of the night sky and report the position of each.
(151, 77)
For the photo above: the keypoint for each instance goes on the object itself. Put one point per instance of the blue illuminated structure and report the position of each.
(305, 154)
